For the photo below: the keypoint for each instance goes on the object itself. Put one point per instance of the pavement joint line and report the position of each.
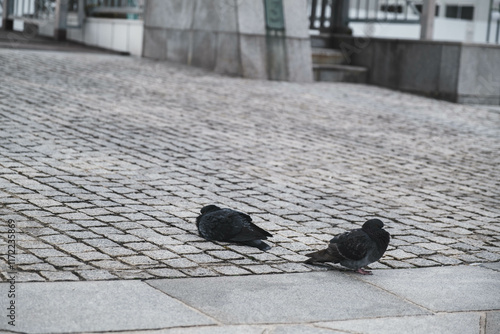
(356, 276)
(217, 321)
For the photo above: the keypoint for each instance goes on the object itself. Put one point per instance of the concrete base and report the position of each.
(60, 34)
(340, 73)
(7, 24)
(327, 57)
(457, 72)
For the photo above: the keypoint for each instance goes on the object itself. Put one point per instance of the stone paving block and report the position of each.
(91, 256)
(447, 289)
(440, 323)
(110, 265)
(59, 276)
(95, 274)
(57, 239)
(141, 246)
(166, 272)
(37, 267)
(122, 238)
(199, 272)
(243, 329)
(444, 259)
(262, 269)
(489, 256)
(225, 255)
(117, 251)
(26, 277)
(399, 254)
(291, 267)
(494, 266)
(75, 248)
(160, 254)
(396, 263)
(46, 252)
(230, 270)
(328, 289)
(180, 263)
(492, 322)
(26, 259)
(138, 260)
(101, 243)
(114, 307)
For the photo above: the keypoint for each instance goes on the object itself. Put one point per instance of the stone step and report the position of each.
(321, 41)
(327, 56)
(340, 73)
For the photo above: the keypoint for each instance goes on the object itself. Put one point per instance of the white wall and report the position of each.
(112, 34)
(444, 30)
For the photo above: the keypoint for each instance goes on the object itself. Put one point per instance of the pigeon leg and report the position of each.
(364, 272)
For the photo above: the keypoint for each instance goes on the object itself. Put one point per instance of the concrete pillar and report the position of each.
(7, 24)
(61, 20)
(427, 20)
(261, 39)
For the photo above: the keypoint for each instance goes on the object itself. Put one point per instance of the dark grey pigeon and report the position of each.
(357, 248)
(219, 224)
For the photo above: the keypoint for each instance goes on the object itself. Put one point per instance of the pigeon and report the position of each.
(357, 248)
(219, 224)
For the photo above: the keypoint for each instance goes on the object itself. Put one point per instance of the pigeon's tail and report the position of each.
(321, 256)
(257, 243)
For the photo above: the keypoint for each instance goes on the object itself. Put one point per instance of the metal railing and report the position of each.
(32, 9)
(389, 11)
(321, 14)
(128, 9)
(45, 9)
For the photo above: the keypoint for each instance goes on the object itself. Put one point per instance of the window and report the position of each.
(460, 12)
(467, 13)
(420, 7)
(391, 8)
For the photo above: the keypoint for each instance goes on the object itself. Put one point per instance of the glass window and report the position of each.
(460, 12)
(420, 7)
(452, 12)
(467, 12)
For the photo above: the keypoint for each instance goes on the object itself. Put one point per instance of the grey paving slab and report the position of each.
(304, 297)
(243, 329)
(492, 325)
(65, 307)
(446, 289)
(494, 265)
(456, 323)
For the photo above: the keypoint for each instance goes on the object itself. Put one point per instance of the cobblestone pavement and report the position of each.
(105, 162)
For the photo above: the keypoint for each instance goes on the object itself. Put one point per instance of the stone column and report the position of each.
(232, 36)
(427, 20)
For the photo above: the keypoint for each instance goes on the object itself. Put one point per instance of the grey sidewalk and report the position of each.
(457, 299)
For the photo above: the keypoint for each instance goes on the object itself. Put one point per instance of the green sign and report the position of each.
(274, 14)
